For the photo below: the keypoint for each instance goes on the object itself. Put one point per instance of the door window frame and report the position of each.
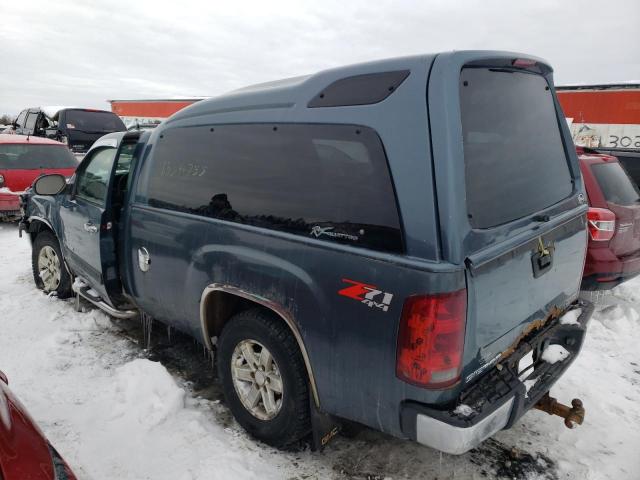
(23, 112)
(83, 167)
(31, 113)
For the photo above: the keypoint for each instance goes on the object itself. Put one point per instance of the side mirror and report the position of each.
(50, 184)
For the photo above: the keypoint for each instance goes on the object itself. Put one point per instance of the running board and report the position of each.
(83, 289)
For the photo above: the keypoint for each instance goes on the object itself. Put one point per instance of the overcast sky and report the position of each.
(81, 53)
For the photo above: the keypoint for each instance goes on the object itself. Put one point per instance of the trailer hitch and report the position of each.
(572, 415)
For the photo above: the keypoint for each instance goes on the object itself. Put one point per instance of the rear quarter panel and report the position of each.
(351, 345)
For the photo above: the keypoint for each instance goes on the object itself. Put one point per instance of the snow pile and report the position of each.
(628, 292)
(571, 317)
(464, 410)
(145, 393)
(108, 412)
(555, 353)
(9, 191)
(528, 385)
(619, 319)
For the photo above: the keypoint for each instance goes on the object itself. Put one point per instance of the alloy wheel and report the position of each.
(256, 379)
(49, 268)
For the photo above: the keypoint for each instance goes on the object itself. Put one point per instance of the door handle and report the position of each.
(90, 227)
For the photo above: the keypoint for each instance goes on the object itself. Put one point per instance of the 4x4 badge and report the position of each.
(370, 295)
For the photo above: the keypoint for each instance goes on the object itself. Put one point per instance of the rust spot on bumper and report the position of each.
(532, 327)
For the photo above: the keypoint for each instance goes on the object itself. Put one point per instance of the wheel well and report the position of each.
(37, 226)
(218, 304)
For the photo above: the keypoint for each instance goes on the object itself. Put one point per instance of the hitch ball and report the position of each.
(572, 415)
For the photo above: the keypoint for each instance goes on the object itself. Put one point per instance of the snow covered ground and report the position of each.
(115, 412)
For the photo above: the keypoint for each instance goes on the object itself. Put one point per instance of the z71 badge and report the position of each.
(370, 295)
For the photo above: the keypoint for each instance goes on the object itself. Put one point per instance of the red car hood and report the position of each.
(24, 450)
(20, 180)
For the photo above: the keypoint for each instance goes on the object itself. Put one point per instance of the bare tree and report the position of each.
(6, 119)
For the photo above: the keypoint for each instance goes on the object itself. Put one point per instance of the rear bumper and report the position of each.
(498, 399)
(457, 440)
(605, 275)
(9, 202)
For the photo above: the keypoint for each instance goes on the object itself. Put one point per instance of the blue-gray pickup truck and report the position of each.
(397, 244)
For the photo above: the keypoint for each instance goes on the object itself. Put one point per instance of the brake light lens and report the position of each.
(523, 62)
(601, 223)
(431, 339)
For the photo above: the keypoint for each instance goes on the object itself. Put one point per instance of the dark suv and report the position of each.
(76, 127)
(393, 243)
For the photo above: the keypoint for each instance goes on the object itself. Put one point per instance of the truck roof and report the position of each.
(291, 92)
(297, 92)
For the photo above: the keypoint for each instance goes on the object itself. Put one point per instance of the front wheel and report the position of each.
(49, 272)
(264, 378)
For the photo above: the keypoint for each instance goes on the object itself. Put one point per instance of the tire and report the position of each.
(46, 256)
(260, 329)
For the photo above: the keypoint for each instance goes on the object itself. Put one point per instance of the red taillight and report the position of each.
(431, 339)
(523, 62)
(601, 223)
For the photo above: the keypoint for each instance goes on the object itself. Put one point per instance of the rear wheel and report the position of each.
(49, 272)
(264, 378)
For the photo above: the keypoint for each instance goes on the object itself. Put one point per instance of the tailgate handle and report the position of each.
(542, 260)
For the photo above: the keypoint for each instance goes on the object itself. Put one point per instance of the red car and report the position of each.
(613, 255)
(25, 453)
(22, 160)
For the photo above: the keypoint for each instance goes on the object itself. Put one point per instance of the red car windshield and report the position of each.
(33, 157)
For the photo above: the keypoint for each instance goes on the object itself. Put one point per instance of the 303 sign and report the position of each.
(624, 141)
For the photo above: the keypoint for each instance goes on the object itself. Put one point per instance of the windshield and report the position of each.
(515, 162)
(615, 184)
(30, 157)
(93, 121)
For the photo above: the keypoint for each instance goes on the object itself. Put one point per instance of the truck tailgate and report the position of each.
(508, 298)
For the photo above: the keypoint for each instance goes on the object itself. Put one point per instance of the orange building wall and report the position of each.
(601, 106)
(153, 109)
